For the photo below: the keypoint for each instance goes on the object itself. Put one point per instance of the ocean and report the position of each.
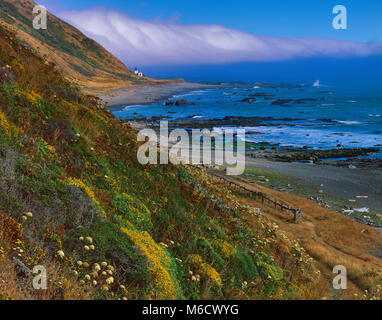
(317, 117)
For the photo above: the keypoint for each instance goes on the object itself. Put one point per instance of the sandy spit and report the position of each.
(149, 94)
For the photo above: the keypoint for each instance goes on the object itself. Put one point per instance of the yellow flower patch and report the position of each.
(9, 128)
(78, 183)
(159, 264)
(45, 150)
(206, 269)
(226, 249)
(32, 97)
(4, 122)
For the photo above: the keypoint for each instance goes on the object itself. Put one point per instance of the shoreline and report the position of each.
(342, 185)
(325, 173)
(144, 95)
(334, 179)
(362, 186)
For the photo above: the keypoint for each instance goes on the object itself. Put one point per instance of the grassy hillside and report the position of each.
(82, 59)
(74, 198)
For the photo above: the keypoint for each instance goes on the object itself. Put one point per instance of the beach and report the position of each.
(332, 168)
(142, 95)
(341, 182)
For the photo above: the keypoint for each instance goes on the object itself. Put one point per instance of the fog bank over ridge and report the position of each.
(152, 43)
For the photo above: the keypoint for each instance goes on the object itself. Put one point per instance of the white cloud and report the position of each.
(141, 42)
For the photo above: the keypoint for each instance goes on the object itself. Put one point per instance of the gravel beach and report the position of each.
(345, 179)
(149, 94)
(341, 182)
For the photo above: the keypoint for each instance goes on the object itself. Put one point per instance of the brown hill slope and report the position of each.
(82, 59)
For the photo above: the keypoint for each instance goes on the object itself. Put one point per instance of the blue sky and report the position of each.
(289, 18)
(283, 40)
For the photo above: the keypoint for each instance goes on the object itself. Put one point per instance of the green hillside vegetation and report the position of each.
(74, 198)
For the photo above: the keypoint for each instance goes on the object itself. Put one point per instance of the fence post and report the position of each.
(297, 215)
(275, 203)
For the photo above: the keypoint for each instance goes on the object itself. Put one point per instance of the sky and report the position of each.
(199, 32)
(289, 18)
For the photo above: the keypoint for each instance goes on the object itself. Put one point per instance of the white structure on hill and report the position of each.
(138, 73)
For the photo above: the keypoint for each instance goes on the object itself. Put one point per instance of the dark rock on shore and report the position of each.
(306, 99)
(354, 163)
(181, 102)
(261, 94)
(147, 120)
(210, 123)
(249, 100)
(325, 92)
(281, 102)
(226, 121)
(313, 156)
(327, 120)
(275, 86)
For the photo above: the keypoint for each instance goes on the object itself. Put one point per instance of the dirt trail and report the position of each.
(329, 237)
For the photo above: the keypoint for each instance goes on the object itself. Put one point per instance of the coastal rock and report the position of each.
(261, 94)
(169, 103)
(249, 100)
(226, 121)
(181, 102)
(281, 102)
(357, 162)
(305, 100)
(313, 156)
(284, 102)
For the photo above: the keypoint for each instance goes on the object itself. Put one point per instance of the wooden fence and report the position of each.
(257, 195)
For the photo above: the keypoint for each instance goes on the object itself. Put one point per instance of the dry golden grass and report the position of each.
(113, 75)
(330, 239)
(60, 285)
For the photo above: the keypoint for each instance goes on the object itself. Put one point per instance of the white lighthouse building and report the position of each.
(137, 72)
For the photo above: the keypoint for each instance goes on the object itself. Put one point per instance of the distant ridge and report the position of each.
(82, 59)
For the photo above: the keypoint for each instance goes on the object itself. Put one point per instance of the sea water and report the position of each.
(332, 117)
